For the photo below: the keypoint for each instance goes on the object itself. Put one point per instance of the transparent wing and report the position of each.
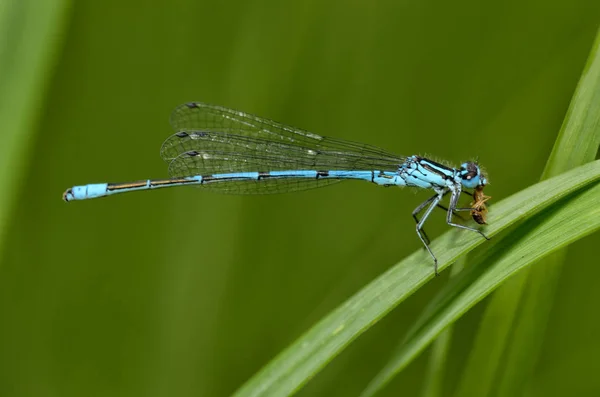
(215, 140)
(207, 128)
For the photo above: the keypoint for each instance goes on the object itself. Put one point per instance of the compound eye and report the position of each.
(471, 171)
(469, 175)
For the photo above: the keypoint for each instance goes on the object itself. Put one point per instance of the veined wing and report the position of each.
(224, 136)
(213, 140)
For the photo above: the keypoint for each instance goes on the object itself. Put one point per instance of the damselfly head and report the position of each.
(472, 175)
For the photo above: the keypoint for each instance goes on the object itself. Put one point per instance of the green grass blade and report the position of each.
(578, 134)
(433, 384)
(539, 236)
(304, 358)
(524, 302)
(434, 379)
(29, 31)
(523, 306)
(579, 137)
(511, 330)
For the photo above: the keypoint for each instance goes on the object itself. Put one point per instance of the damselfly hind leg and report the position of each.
(432, 202)
(417, 211)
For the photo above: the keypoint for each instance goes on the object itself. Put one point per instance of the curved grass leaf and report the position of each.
(290, 370)
(539, 236)
(524, 302)
(523, 306)
(433, 385)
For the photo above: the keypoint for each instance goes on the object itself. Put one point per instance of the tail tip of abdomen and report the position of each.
(68, 195)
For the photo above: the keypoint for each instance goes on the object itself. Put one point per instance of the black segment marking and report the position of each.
(192, 153)
(181, 134)
(191, 105)
(263, 175)
(174, 181)
(322, 173)
(437, 164)
(434, 171)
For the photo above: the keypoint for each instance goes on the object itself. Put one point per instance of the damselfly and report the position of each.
(233, 152)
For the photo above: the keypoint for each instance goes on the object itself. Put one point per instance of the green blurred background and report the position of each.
(181, 292)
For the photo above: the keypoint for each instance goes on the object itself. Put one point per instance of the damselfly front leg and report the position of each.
(453, 202)
(477, 208)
